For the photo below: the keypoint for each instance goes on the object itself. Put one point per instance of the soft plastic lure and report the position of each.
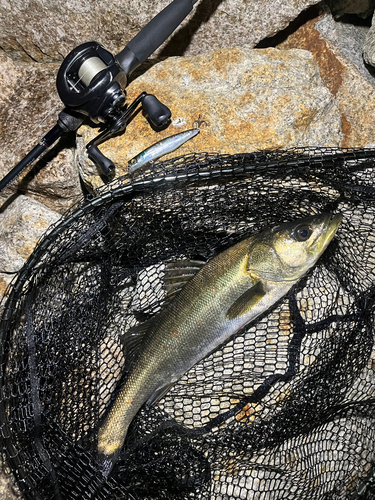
(163, 147)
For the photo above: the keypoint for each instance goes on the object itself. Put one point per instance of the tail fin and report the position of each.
(106, 463)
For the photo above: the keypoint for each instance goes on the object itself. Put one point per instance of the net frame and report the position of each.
(59, 467)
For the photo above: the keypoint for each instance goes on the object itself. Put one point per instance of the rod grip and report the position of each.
(45, 143)
(153, 34)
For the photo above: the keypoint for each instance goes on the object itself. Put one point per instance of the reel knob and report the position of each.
(158, 113)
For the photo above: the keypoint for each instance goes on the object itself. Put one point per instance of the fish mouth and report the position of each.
(332, 222)
(330, 225)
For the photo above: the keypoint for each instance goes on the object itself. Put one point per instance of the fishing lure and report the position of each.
(163, 147)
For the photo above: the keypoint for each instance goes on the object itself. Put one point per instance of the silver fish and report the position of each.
(207, 304)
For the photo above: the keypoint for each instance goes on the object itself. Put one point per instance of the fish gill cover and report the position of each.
(283, 410)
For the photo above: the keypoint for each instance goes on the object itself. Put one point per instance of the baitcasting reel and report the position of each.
(91, 83)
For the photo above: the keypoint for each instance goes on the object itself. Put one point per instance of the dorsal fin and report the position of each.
(178, 273)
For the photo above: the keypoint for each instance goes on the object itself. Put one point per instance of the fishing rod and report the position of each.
(91, 83)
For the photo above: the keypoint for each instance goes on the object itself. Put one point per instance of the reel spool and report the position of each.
(91, 82)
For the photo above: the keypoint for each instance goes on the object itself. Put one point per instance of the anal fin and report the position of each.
(159, 394)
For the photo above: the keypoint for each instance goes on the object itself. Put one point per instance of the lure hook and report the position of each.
(199, 122)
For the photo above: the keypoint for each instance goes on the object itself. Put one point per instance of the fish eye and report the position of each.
(302, 232)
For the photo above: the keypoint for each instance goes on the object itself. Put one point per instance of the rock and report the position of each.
(5, 280)
(347, 40)
(362, 8)
(29, 105)
(57, 183)
(251, 99)
(220, 24)
(47, 30)
(369, 45)
(21, 226)
(337, 50)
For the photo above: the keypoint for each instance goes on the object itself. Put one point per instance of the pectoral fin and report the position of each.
(247, 301)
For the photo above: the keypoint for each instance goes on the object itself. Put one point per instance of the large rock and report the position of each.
(21, 226)
(347, 41)
(46, 30)
(29, 105)
(337, 48)
(251, 100)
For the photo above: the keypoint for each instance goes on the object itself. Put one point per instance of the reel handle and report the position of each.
(157, 112)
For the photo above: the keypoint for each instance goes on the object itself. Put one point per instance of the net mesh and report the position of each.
(283, 410)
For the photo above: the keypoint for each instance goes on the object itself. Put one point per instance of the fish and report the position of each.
(163, 147)
(206, 304)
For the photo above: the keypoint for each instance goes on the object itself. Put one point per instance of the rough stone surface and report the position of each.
(29, 106)
(347, 40)
(21, 225)
(252, 99)
(369, 45)
(342, 73)
(47, 30)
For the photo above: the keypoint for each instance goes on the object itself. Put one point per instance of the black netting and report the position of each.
(284, 410)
